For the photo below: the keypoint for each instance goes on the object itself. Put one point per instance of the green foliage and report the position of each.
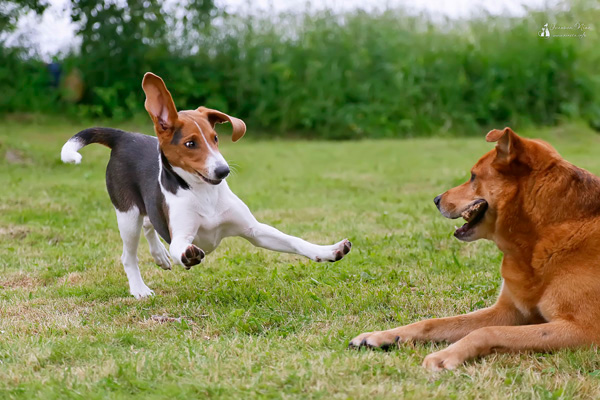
(392, 75)
(25, 85)
(352, 75)
(121, 41)
(116, 40)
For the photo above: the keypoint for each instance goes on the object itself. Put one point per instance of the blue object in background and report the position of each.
(55, 71)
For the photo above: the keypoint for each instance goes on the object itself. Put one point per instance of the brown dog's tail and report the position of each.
(109, 137)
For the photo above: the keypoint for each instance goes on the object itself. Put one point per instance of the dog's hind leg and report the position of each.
(157, 249)
(130, 224)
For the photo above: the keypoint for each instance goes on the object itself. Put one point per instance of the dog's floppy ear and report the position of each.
(159, 103)
(218, 117)
(507, 146)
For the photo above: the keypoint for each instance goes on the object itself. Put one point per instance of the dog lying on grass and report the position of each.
(174, 184)
(543, 213)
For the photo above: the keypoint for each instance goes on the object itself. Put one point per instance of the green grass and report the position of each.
(258, 324)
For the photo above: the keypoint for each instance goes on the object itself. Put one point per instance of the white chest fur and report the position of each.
(201, 215)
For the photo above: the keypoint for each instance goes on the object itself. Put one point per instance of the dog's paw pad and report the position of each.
(347, 246)
(335, 252)
(338, 256)
(343, 248)
(191, 256)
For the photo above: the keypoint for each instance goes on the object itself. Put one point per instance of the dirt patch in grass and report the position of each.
(161, 319)
(20, 281)
(71, 279)
(37, 316)
(13, 156)
(14, 232)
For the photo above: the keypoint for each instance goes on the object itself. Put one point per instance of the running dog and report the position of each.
(174, 185)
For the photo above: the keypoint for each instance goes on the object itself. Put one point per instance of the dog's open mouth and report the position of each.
(473, 215)
(211, 181)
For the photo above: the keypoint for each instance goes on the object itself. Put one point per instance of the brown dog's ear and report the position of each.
(507, 143)
(159, 103)
(218, 117)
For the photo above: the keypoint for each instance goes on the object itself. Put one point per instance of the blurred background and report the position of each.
(332, 70)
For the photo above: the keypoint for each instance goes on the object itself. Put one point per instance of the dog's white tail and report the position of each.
(106, 136)
(69, 153)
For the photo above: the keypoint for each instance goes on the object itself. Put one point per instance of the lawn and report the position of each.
(249, 323)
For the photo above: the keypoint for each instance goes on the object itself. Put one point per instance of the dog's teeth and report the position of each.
(455, 227)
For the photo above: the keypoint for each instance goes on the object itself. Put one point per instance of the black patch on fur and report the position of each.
(106, 136)
(176, 137)
(169, 179)
(132, 174)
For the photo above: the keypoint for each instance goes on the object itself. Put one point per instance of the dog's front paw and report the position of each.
(140, 291)
(443, 359)
(337, 252)
(161, 257)
(191, 256)
(377, 339)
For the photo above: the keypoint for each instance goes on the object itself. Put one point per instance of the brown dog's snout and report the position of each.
(437, 200)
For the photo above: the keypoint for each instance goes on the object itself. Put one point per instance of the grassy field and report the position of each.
(253, 323)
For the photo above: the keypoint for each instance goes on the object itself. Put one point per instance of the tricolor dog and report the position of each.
(173, 185)
(543, 213)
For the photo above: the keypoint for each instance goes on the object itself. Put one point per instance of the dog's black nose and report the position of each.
(221, 172)
(437, 200)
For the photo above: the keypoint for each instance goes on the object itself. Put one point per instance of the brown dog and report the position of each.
(543, 213)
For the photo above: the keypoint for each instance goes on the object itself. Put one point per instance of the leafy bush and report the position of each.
(335, 76)
(24, 84)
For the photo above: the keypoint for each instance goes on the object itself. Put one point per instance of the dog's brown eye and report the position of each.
(216, 139)
(190, 145)
(472, 177)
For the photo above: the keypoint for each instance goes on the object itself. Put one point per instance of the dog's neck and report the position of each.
(559, 203)
(571, 193)
(169, 179)
(581, 191)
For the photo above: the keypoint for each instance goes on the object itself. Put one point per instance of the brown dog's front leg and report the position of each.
(448, 329)
(542, 337)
